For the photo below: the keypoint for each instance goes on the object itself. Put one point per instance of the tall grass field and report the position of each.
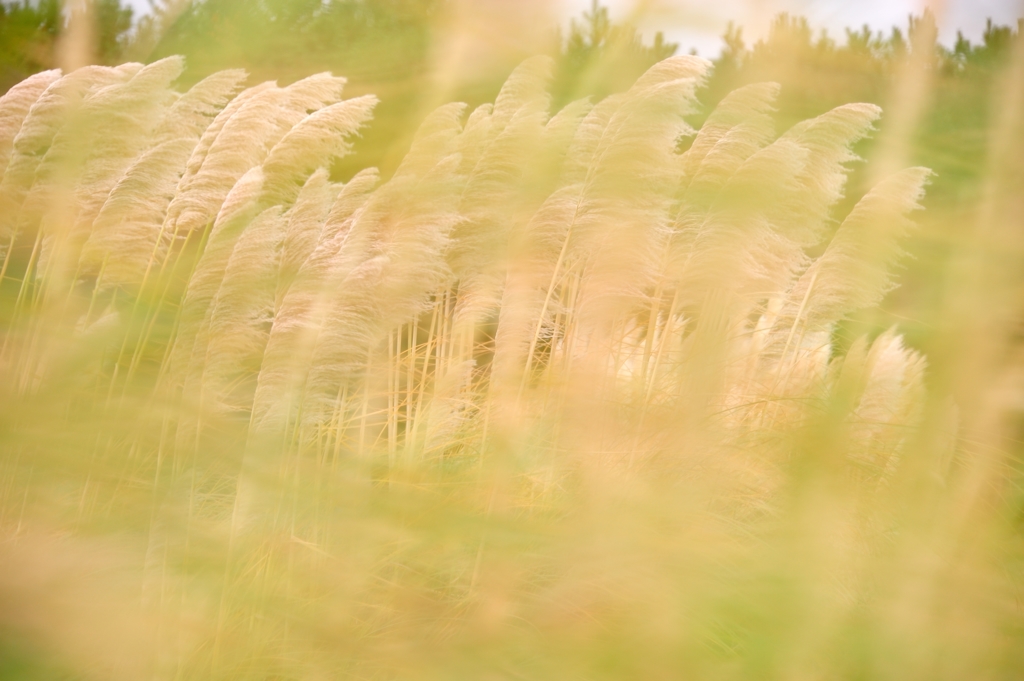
(572, 393)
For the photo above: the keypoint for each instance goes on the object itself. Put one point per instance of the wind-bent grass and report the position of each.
(555, 400)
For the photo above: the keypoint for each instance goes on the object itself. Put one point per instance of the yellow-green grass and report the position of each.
(552, 400)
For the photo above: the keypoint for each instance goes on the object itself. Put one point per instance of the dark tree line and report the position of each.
(29, 30)
(390, 40)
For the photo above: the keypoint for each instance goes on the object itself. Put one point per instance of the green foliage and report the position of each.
(599, 57)
(27, 34)
(30, 29)
(993, 52)
(817, 69)
(113, 22)
(364, 39)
